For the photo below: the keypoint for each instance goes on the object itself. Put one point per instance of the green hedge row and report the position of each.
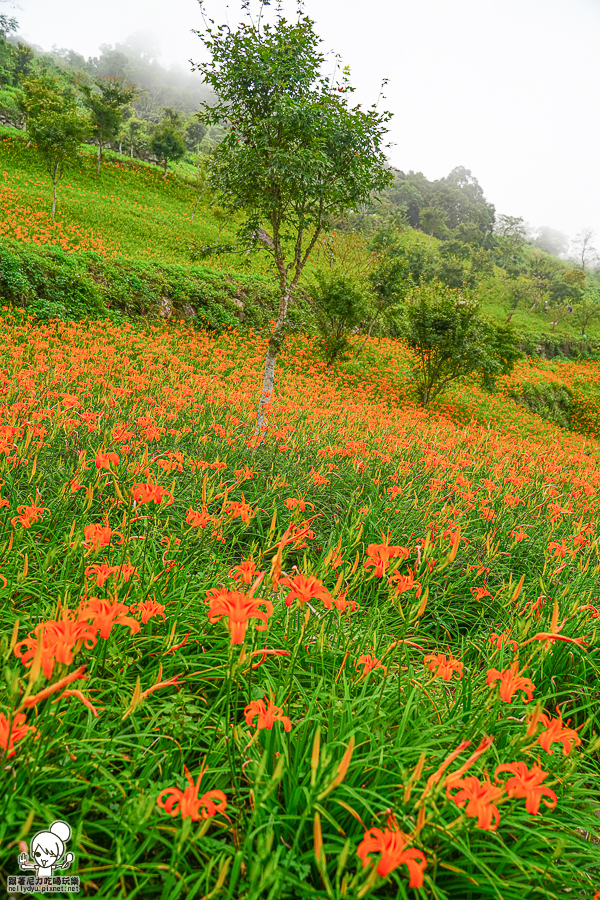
(52, 283)
(558, 346)
(552, 402)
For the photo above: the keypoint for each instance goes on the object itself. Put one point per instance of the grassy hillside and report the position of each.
(356, 659)
(131, 213)
(128, 211)
(349, 633)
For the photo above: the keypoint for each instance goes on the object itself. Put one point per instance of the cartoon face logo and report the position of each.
(47, 849)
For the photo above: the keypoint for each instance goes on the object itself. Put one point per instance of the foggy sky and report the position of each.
(506, 88)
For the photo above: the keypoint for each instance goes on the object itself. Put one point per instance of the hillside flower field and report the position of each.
(358, 659)
(130, 212)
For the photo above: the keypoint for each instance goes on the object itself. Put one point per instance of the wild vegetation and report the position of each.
(356, 653)
(370, 630)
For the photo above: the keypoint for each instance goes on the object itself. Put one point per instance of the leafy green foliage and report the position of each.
(339, 303)
(552, 402)
(54, 124)
(295, 154)
(105, 100)
(450, 340)
(52, 283)
(453, 207)
(501, 352)
(166, 140)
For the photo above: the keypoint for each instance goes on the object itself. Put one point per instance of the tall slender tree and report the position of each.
(54, 124)
(166, 141)
(295, 154)
(106, 99)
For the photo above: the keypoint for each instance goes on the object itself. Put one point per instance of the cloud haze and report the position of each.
(507, 89)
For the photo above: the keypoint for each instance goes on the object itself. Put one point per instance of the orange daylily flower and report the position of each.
(60, 639)
(556, 733)
(126, 571)
(479, 592)
(102, 571)
(342, 604)
(267, 714)
(240, 509)
(381, 554)
(188, 803)
(560, 549)
(239, 608)
(536, 606)
(511, 682)
(105, 614)
(527, 783)
(392, 844)
(99, 536)
(197, 519)
(479, 799)
(305, 588)
(150, 493)
(10, 733)
(103, 460)
(297, 502)
(28, 515)
(443, 667)
(149, 609)
(401, 583)
(369, 663)
(244, 572)
(336, 560)
(500, 639)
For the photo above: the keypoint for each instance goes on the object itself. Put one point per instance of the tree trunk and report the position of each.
(99, 161)
(54, 181)
(368, 334)
(198, 199)
(275, 343)
(165, 175)
(120, 148)
(131, 150)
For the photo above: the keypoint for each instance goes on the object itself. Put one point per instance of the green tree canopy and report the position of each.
(450, 340)
(166, 141)
(54, 124)
(106, 99)
(340, 303)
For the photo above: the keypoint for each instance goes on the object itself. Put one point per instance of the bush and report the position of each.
(339, 304)
(450, 340)
(50, 282)
(552, 346)
(553, 403)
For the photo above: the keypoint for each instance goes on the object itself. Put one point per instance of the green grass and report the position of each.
(138, 215)
(177, 409)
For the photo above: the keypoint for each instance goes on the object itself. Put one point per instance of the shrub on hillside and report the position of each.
(450, 340)
(553, 403)
(339, 303)
(50, 283)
